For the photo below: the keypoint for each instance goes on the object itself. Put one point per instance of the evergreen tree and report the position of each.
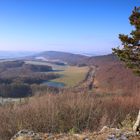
(130, 51)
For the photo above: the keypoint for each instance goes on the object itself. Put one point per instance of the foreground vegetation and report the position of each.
(68, 112)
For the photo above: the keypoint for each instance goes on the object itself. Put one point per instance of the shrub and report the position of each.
(66, 112)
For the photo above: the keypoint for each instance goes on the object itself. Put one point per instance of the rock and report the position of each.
(136, 127)
(26, 135)
(105, 134)
(104, 129)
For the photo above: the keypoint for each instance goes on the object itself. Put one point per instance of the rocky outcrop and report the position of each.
(136, 127)
(105, 134)
(27, 135)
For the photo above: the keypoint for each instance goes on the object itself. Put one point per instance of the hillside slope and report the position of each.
(113, 77)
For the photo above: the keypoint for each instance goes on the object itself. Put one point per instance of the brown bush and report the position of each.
(65, 112)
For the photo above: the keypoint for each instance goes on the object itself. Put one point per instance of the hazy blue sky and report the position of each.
(67, 25)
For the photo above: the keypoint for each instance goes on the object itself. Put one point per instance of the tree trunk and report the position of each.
(136, 126)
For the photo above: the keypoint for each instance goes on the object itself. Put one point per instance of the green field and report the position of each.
(72, 75)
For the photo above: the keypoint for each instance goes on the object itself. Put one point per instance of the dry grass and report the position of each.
(114, 78)
(67, 112)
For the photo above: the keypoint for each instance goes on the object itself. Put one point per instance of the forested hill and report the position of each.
(70, 58)
(74, 59)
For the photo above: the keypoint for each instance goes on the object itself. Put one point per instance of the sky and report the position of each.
(87, 26)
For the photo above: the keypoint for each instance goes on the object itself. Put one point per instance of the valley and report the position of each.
(73, 95)
(27, 76)
(52, 70)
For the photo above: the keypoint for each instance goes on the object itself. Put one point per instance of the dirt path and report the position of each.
(88, 83)
(90, 78)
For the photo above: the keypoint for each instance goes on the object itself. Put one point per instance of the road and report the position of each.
(88, 82)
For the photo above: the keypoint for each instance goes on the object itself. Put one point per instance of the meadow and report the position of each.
(72, 75)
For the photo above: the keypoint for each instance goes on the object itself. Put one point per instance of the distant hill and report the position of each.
(14, 54)
(103, 59)
(72, 59)
(75, 58)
